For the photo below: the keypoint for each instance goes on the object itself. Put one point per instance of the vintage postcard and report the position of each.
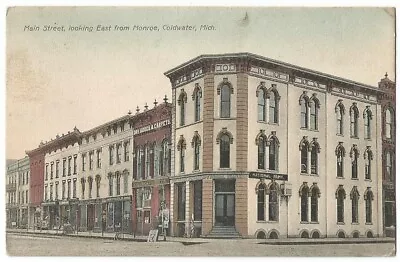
(200, 131)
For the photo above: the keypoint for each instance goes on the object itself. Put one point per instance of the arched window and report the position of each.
(389, 166)
(389, 119)
(225, 101)
(261, 152)
(90, 182)
(315, 193)
(304, 157)
(139, 157)
(340, 196)
(354, 162)
(304, 203)
(224, 147)
(339, 110)
(196, 146)
(181, 148)
(147, 161)
(354, 121)
(368, 161)
(273, 153)
(354, 195)
(273, 107)
(313, 115)
(314, 157)
(181, 102)
(340, 153)
(261, 202)
(118, 178)
(163, 160)
(368, 197)
(367, 123)
(303, 113)
(110, 184)
(98, 179)
(273, 202)
(261, 104)
(197, 102)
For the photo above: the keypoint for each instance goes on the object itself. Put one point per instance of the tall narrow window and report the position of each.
(118, 178)
(47, 171)
(69, 188)
(314, 203)
(367, 123)
(273, 154)
(51, 170)
(354, 162)
(111, 155)
(273, 107)
(389, 166)
(368, 162)
(181, 149)
(110, 184)
(304, 113)
(98, 158)
(64, 173)
(181, 102)
(314, 158)
(304, 203)
(69, 166)
(98, 180)
(163, 158)
(313, 115)
(118, 148)
(340, 153)
(339, 110)
(74, 188)
(139, 156)
(261, 202)
(340, 196)
(83, 181)
(354, 121)
(196, 153)
(56, 191)
(368, 206)
(63, 189)
(225, 101)
(273, 206)
(83, 162)
(261, 152)
(75, 164)
(126, 151)
(197, 104)
(126, 176)
(354, 195)
(57, 168)
(304, 157)
(147, 161)
(91, 160)
(261, 104)
(90, 184)
(389, 120)
(224, 148)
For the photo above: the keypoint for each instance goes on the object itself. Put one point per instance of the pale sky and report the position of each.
(58, 80)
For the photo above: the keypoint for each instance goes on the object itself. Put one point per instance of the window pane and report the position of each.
(261, 154)
(261, 105)
(225, 101)
(224, 151)
(304, 159)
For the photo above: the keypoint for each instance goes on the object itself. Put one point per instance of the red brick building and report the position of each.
(388, 102)
(151, 168)
(36, 163)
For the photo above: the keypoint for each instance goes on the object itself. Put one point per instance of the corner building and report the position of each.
(267, 149)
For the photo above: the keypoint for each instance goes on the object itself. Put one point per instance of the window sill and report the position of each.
(304, 222)
(273, 124)
(304, 128)
(368, 139)
(224, 168)
(339, 134)
(368, 180)
(267, 222)
(313, 130)
(340, 223)
(339, 177)
(355, 137)
(224, 118)
(196, 171)
(314, 222)
(354, 178)
(304, 174)
(369, 223)
(355, 223)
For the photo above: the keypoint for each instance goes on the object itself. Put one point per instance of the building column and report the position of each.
(171, 209)
(207, 205)
(187, 207)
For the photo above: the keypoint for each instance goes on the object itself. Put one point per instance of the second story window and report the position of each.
(91, 160)
(64, 171)
(304, 157)
(225, 101)
(57, 168)
(368, 162)
(196, 147)
(340, 153)
(354, 121)
(47, 172)
(75, 164)
(69, 166)
(273, 153)
(389, 173)
(118, 148)
(111, 154)
(126, 151)
(224, 149)
(389, 121)
(74, 188)
(181, 148)
(83, 162)
(98, 158)
(354, 162)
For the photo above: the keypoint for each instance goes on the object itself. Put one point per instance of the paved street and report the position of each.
(48, 245)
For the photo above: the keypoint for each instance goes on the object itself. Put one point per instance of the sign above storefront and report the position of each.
(268, 176)
(152, 182)
(151, 127)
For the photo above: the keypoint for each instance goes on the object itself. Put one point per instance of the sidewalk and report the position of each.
(283, 241)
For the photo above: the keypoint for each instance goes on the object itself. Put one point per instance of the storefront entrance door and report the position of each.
(90, 217)
(225, 209)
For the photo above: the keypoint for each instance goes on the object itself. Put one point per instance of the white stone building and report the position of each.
(271, 150)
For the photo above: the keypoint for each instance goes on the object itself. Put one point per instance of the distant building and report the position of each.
(151, 172)
(267, 149)
(388, 103)
(23, 192)
(11, 195)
